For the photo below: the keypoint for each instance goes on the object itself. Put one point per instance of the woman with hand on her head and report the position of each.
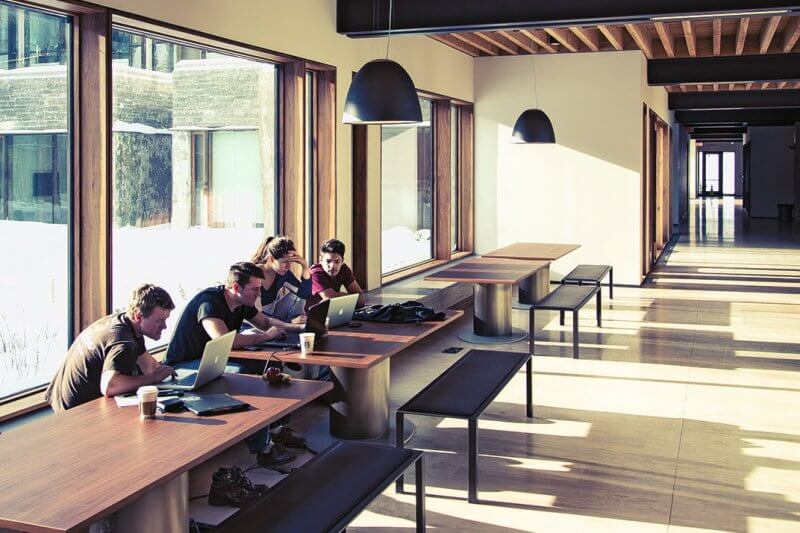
(283, 295)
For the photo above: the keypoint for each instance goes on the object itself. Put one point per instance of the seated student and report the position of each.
(331, 274)
(214, 312)
(109, 357)
(282, 294)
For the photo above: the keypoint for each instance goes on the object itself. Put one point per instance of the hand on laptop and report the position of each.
(302, 319)
(274, 332)
(162, 372)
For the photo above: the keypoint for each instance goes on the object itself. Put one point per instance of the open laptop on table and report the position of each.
(340, 313)
(212, 365)
(314, 324)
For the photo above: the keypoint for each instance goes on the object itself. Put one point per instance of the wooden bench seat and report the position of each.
(591, 274)
(567, 298)
(329, 491)
(464, 391)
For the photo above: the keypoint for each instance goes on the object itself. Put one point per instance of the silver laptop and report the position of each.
(341, 310)
(212, 365)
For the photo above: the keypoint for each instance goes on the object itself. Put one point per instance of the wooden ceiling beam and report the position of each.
(566, 38)
(521, 40)
(741, 34)
(458, 44)
(477, 42)
(767, 33)
(640, 39)
(791, 34)
(667, 40)
(499, 41)
(716, 35)
(589, 36)
(540, 38)
(688, 34)
(614, 35)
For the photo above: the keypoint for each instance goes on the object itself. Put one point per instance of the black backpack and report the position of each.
(406, 312)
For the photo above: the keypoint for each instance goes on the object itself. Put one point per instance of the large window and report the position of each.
(34, 196)
(194, 165)
(407, 193)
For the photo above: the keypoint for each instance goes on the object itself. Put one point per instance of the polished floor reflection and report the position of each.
(681, 414)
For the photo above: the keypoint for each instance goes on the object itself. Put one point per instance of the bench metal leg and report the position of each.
(472, 467)
(529, 385)
(531, 327)
(599, 308)
(575, 334)
(561, 317)
(399, 443)
(611, 283)
(419, 474)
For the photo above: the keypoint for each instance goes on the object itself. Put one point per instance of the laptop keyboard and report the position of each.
(186, 381)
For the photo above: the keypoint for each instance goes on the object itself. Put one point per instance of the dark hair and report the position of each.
(146, 298)
(278, 247)
(242, 272)
(332, 246)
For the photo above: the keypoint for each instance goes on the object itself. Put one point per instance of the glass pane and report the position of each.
(194, 166)
(34, 199)
(729, 173)
(407, 192)
(454, 177)
(712, 173)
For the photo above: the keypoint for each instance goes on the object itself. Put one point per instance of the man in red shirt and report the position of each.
(331, 274)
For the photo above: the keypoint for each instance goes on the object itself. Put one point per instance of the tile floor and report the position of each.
(681, 415)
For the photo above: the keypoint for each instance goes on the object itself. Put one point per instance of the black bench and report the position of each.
(591, 274)
(464, 391)
(329, 491)
(567, 298)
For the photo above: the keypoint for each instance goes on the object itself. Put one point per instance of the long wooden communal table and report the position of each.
(537, 286)
(493, 280)
(359, 360)
(67, 471)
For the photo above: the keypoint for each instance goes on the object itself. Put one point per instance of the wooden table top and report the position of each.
(66, 471)
(534, 250)
(361, 347)
(489, 270)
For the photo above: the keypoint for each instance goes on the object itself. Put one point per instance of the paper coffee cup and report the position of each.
(306, 343)
(148, 396)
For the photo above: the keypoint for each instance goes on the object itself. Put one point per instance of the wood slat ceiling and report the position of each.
(656, 40)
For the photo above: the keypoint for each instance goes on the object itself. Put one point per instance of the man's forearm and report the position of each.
(120, 383)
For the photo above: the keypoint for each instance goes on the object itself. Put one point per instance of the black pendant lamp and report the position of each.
(382, 92)
(533, 125)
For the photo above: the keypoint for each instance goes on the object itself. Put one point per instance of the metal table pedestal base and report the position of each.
(467, 335)
(533, 288)
(362, 411)
(162, 508)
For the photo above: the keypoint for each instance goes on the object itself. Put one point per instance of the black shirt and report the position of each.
(190, 337)
(108, 344)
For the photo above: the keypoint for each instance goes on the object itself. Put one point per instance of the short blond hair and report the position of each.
(146, 297)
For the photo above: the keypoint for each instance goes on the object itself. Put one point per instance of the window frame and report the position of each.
(441, 232)
(90, 150)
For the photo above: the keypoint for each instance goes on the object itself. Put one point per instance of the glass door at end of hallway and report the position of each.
(717, 174)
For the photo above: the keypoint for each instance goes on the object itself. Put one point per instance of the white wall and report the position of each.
(586, 189)
(307, 29)
(771, 169)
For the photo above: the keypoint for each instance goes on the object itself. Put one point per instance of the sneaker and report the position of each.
(230, 487)
(286, 437)
(277, 455)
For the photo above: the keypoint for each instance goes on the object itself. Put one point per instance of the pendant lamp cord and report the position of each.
(389, 34)
(535, 88)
